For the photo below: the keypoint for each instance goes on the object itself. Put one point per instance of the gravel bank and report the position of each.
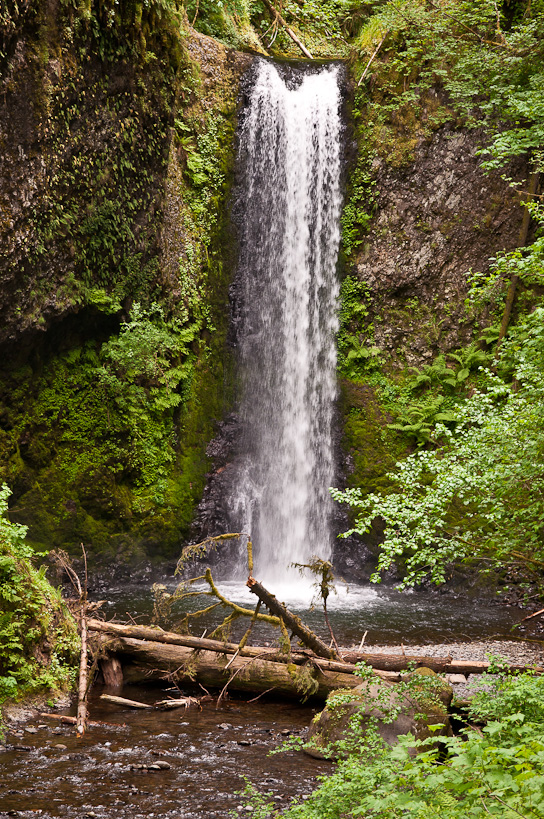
(516, 652)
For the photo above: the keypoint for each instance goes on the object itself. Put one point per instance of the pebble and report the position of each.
(244, 742)
(31, 730)
(60, 747)
(224, 726)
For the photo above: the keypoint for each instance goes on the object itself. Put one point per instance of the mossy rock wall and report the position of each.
(115, 266)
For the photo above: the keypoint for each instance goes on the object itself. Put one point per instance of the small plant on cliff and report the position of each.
(38, 637)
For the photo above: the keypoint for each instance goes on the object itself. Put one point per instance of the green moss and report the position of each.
(105, 420)
(372, 448)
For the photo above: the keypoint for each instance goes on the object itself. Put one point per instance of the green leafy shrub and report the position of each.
(38, 637)
(497, 771)
(480, 495)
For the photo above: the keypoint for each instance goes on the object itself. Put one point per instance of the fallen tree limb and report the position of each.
(73, 721)
(378, 661)
(126, 703)
(182, 702)
(279, 19)
(182, 664)
(291, 620)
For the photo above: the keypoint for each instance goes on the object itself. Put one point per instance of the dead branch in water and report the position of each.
(63, 561)
(291, 620)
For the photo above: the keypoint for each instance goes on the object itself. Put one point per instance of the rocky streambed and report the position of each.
(184, 763)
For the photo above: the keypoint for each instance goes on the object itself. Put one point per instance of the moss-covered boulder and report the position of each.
(418, 705)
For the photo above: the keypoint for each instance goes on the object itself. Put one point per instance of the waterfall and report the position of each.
(289, 202)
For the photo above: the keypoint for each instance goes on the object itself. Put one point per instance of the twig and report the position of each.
(196, 14)
(238, 670)
(361, 644)
(530, 617)
(258, 697)
(369, 63)
(232, 659)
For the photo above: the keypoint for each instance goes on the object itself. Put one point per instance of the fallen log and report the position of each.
(378, 661)
(66, 720)
(154, 660)
(126, 703)
(397, 662)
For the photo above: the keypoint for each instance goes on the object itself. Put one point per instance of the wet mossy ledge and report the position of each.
(117, 133)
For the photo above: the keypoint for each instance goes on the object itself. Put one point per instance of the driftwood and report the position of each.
(126, 703)
(182, 702)
(153, 660)
(64, 561)
(379, 662)
(66, 720)
(291, 620)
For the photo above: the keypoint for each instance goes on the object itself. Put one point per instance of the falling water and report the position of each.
(290, 201)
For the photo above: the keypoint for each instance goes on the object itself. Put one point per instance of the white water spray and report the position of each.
(290, 202)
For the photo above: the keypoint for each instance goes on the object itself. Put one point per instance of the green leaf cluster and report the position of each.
(480, 495)
(38, 637)
(497, 771)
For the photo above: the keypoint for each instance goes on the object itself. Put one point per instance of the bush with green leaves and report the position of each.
(497, 771)
(488, 58)
(480, 495)
(39, 643)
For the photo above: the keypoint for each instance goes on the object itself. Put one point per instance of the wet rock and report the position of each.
(31, 730)
(60, 747)
(224, 726)
(396, 713)
(244, 742)
(437, 216)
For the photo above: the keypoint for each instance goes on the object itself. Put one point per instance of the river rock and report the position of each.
(334, 732)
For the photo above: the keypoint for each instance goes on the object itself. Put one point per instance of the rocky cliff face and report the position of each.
(437, 218)
(116, 255)
(117, 149)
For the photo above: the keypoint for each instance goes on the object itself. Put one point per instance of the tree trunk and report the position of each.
(386, 663)
(256, 674)
(291, 620)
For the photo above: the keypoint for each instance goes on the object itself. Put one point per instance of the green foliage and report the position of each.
(360, 204)
(489, 64)
(353, 354)
(103, 422)
(480, 495)
(498, 771)
(38, 637)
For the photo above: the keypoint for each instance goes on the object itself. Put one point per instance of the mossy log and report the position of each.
(144, 660)
(291, 620)
(384, 664)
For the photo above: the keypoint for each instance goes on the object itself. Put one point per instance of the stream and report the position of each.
(46, 771)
